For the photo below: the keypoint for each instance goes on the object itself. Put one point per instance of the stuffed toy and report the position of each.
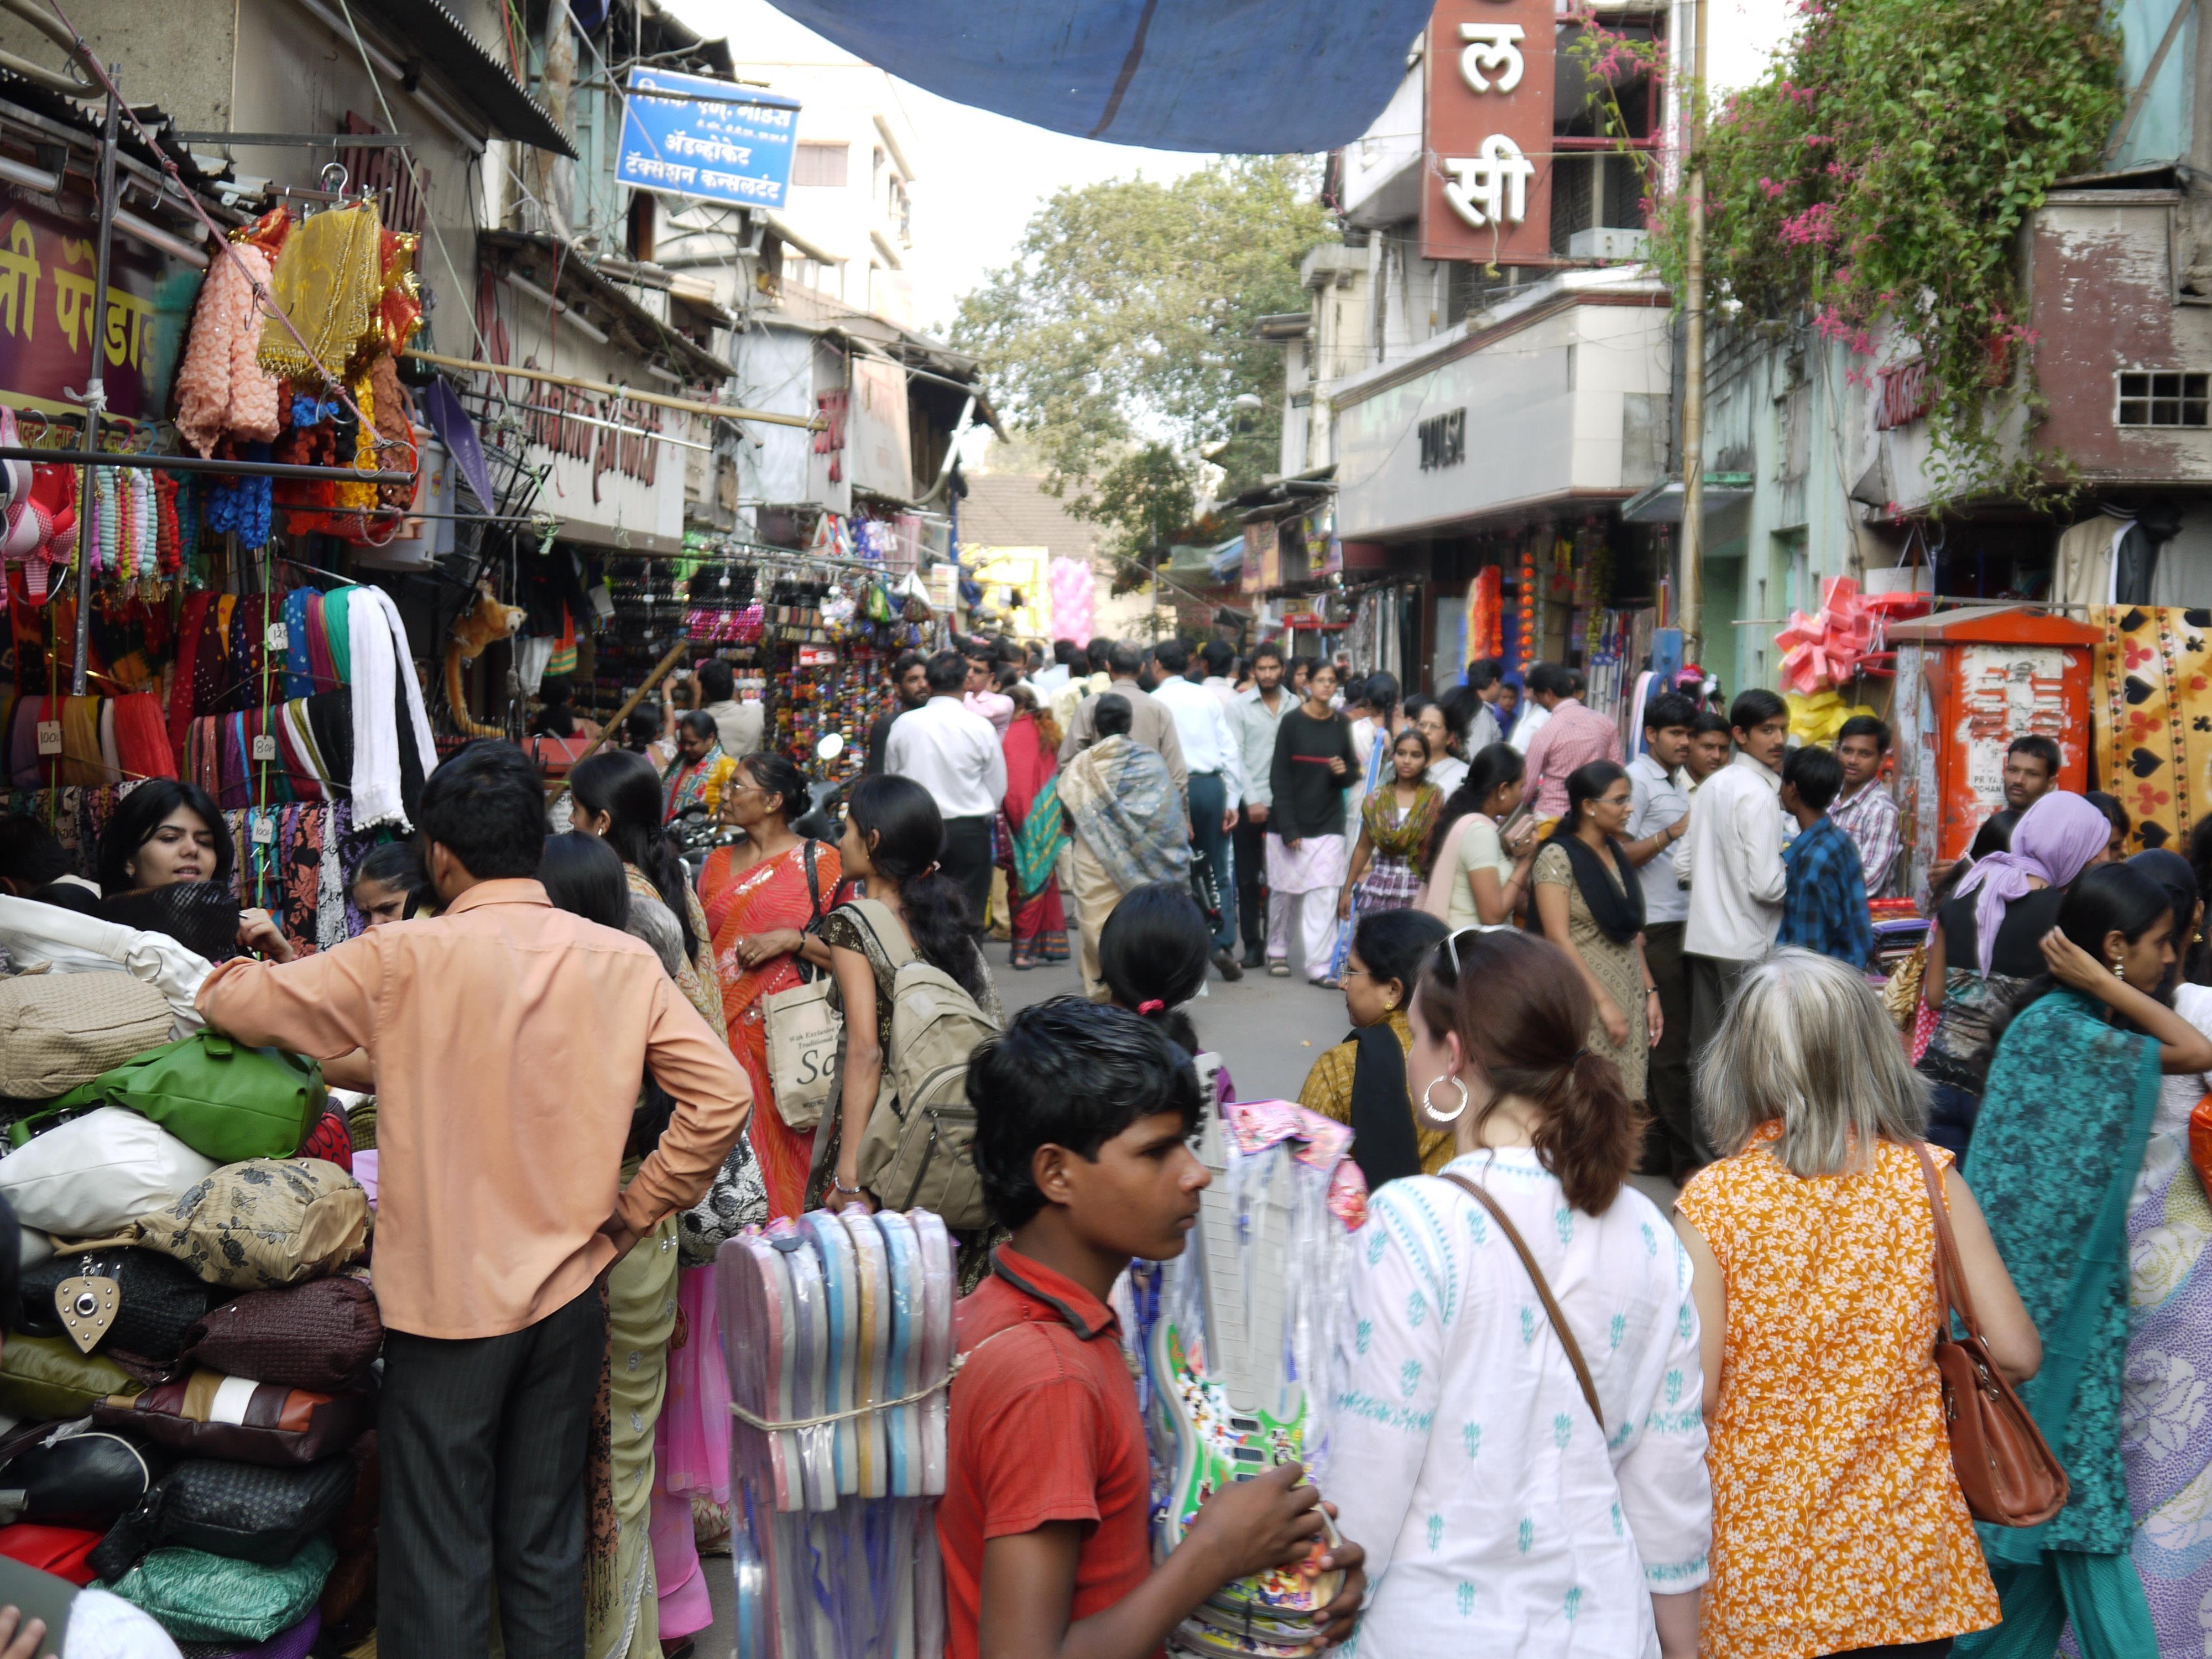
(474, 629)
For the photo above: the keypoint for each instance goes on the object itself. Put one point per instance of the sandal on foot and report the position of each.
(1278, 969)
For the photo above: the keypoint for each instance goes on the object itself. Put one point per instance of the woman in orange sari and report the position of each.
(761, 896)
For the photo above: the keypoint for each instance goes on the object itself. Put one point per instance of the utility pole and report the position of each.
(1693, 348)
(95, 389)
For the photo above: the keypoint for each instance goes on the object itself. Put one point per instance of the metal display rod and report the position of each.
(201, 464)
(689, 405)
(301, 140)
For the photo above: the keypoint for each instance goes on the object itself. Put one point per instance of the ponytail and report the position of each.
(1522, 1013)
(1152, 954)
(623, 786)
(905, 832)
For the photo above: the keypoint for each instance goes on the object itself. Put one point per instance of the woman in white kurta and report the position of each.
(1499, 1517)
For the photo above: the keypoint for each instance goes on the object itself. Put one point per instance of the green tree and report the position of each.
(1126, 327)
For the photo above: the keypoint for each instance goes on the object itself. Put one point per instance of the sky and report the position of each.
(980, 176)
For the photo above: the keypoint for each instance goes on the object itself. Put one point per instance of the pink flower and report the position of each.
(1771, 189)
(1815, 225)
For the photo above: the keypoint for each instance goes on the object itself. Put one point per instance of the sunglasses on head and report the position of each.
(1449, 948)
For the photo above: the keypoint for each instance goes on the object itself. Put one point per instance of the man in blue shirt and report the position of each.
(1825, 906)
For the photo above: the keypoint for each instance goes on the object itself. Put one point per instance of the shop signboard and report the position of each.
(693, 136)
(47, 261)
(1486, 192)
(878, 454)
(1263, 557)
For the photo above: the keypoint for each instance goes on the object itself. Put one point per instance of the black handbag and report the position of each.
(246, 1511)
(158, 1299)
(87, 1480)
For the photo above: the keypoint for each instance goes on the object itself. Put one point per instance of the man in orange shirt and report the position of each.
(507, 1040)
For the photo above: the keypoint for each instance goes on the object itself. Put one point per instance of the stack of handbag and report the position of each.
(189, 1371)
(837, 1336)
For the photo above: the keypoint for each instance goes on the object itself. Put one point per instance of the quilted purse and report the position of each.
(234, 1510)
(267, 1222)
(211, 1415)
(323, 1335)
(199, 1597)
(58, 1030)
(156, 1300)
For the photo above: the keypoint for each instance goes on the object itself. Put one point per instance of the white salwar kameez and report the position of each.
(1304, 884)
(1498, 1520)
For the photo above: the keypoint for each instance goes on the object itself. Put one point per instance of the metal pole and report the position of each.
(1693, 349)
(95, 389)
(93, 458)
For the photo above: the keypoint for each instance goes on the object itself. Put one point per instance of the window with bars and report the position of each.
(819, 164)
(2160, 397)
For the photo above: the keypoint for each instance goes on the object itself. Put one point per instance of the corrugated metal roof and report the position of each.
(427, 30)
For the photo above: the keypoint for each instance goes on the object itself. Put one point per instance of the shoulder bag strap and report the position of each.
(1543, 1290)
(877, 917)
(1950, 1281)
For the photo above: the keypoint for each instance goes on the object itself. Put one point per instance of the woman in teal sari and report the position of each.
(1032, 830)
(2064, 1119)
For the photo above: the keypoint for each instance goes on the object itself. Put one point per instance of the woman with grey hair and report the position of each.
(1837, 1517)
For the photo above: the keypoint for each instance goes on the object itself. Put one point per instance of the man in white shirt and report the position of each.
(1220, 659)
(1253, 718)
(956, 756)
(1736, 875)
(739, 724)
(1658, 817)
(1216, 766)
(1534, 715)
(1064, 652)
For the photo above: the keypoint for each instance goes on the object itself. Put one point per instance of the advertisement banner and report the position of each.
(1487, 194)
(712, 139)
(46, 264)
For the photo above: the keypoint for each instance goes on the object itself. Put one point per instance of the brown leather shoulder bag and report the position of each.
(2003, 1465)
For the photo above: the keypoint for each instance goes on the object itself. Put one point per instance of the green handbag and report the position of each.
(199, 1597)
(44, 1376)
(223, 1101)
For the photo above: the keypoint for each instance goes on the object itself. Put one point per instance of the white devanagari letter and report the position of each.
(1491, 47)
(1491, 186)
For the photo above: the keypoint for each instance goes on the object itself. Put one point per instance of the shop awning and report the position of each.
(425, 31)
(1196, 74)
(1662, 503)
(632, 326)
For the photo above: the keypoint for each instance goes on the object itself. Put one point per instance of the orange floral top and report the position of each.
(1837, 1522)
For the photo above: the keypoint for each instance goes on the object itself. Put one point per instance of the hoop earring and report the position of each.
(1436, 1117)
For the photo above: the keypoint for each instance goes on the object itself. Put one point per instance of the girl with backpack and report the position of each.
(893, 838)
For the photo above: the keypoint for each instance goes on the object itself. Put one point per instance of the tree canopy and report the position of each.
(1127, 328)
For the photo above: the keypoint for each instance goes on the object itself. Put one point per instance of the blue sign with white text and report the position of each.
(692, 135)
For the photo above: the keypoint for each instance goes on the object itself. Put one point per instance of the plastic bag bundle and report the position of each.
(838, 1338)
(1238, 1338)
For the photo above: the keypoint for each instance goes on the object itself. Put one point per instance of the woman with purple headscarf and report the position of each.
(1985, 949)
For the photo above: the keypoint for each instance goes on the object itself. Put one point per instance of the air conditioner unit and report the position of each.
(1608, 242)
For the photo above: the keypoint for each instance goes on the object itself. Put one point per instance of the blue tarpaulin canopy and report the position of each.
(1252, 77)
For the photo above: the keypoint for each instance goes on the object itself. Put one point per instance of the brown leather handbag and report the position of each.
(2004, 1464)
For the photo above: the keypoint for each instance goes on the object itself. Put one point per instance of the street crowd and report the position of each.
(1572, 1423)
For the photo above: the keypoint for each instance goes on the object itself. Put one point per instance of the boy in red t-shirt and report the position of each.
(1084, 1114)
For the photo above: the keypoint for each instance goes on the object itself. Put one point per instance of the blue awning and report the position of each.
(1196, 75)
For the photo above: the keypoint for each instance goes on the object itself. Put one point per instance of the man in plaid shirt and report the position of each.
(1866, 812)
(1824, 907)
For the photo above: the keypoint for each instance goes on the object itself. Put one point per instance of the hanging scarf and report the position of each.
(1616, 907)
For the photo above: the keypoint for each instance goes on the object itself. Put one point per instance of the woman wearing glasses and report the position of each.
(1526, 1484)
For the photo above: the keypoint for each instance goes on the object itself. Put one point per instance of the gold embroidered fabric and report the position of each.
(329, 280)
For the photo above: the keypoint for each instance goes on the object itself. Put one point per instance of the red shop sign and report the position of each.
(46, 262)
(1487, 187)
